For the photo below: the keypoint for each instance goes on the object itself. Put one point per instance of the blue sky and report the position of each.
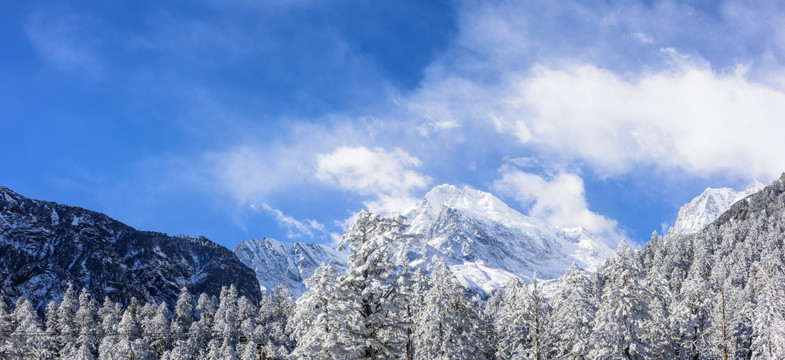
(247, 119)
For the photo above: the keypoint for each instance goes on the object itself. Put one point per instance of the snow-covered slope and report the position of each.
(486, 242)
(288, 264)
(708, 206)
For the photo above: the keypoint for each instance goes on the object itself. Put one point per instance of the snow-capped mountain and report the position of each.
(43, 245)
(708, 206)
(485, 242)
(288, 264)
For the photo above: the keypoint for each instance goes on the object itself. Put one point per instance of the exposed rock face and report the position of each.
(764, 202)
(44, 245)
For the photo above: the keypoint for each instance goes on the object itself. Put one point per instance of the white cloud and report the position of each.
(296, 228)
(560, 201)
(385, 176)
(689, 119)
(599, 96)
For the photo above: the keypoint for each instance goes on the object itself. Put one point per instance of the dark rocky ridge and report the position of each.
(43, 245)
(761, 203)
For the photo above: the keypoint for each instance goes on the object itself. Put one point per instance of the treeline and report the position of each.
(719, 294)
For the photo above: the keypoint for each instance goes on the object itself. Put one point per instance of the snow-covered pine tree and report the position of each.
(26, 337)
(110, 314)
(536, 316)
(316, 322)
(130, 343)
(618, 328)
(183, 315)
(437, 325)
(246, 322)
(225, 325)
(376, 329)
(284, 309)
(691, 308)
(512, 334)
(50, 331)
(273, 315)
(87, 324)
(448, 325)
(160, 338)
(768, 327)
(573, 313)
(66, 315)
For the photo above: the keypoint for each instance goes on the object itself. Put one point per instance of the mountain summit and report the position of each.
(485, 242)
(708, 206)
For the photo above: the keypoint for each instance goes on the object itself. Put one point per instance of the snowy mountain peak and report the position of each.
(485, 242)
(474, 203)
(708, 206)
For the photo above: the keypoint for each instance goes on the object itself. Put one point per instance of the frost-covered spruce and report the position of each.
(375, 306)
(315, 324)
(447, 323)
(573, 313)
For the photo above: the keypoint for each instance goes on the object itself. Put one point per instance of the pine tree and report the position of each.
(161, 334)
(316, 322)
(49, 342)
(87, 323)
(183, 315)
(66, 315)
(573, 313)
(27, 335)
(246, 319)
(512, 323)
(110, 314)
(618, 329)
(225, 325)
(768, 329)
(447, 327)
(376, 329)
(6, 326)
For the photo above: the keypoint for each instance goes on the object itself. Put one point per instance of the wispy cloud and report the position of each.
(387, 177)
(296, 229)
(559, 200)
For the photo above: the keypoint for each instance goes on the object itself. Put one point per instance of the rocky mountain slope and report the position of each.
(44, 245)
(288, 264)
(708, 206)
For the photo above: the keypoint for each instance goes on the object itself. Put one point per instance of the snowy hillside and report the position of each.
(288, 264)
(485, 242)
(708, 206)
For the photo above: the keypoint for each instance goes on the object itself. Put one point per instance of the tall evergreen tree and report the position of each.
(618, 329)
(376, 328)
(573, 313)
(316, 324)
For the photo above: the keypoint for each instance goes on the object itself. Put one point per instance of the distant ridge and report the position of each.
(44, 245)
